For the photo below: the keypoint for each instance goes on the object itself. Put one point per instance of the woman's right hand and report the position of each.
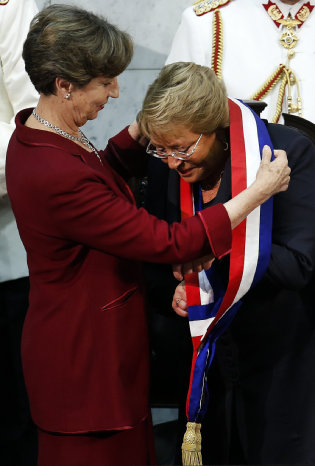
(179, 303)
(273, 176)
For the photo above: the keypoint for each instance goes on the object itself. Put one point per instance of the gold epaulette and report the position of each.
(4, 2)
(201, 7)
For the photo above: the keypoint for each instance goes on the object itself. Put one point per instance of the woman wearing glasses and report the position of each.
(85, 350)
(263, 360)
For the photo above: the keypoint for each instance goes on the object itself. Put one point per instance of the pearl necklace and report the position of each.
(83, 139)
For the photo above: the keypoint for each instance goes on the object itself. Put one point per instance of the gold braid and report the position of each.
(283, 84)
(283, 73)
(266, 87)
(217, 43)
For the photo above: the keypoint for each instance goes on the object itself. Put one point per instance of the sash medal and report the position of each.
(211, 303)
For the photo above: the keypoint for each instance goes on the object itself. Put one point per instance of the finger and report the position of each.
(266, 154)
(181, 291)
(181, 303)
(187, 268)
(281, 158)
(180, 307)
(180, 294)
(133, 130)
(180, 312)
(197, 266)
(279, 153)
(284, 186)
(207, 264)
(177, 272)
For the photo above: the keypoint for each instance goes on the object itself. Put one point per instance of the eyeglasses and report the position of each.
(177, 154)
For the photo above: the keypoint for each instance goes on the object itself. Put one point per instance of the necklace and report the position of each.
(82, 137)
(211, 186)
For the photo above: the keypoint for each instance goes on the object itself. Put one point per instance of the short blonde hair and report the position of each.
(184, 94)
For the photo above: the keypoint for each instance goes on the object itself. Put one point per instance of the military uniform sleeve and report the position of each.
(16, 90)
(188, 43)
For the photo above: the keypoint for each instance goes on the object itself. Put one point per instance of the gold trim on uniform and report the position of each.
(283, 75)
(277, 17)
(274, 13)
(217, 44)
(288, 40)
(303, 13)
(205, 6)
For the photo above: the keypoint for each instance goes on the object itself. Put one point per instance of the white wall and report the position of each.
(152, 24)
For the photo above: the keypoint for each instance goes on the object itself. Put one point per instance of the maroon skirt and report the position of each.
(130, 447)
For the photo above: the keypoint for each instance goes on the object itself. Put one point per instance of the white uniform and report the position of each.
(251, 50)
(16, 92)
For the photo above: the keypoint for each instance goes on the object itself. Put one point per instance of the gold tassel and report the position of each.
(191, 447)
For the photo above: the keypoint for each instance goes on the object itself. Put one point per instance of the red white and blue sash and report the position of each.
(212, 304)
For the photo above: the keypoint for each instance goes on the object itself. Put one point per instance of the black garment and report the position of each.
(18, 435)
(262, 383)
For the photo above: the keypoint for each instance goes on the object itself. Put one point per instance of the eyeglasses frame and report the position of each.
(173, 154)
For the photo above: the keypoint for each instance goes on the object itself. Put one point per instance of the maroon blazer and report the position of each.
(85, 345)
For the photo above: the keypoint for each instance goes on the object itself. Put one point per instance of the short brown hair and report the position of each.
(71, 43)
(184, 94)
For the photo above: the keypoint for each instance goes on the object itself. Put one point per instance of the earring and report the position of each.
(67, 96)
(225, 146)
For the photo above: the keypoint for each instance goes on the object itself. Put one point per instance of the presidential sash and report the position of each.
(212, 303)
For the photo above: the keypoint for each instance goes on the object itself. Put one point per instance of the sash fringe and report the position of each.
(191, 447)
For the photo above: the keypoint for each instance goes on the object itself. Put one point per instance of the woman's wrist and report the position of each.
(258, 192)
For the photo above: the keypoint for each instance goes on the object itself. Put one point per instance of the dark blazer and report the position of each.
(262, 382)
(84, 346)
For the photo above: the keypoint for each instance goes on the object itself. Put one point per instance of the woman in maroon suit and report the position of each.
(85, 349)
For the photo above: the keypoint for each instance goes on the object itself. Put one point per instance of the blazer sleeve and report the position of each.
(88, 211)
(292, 259)
(126, 156)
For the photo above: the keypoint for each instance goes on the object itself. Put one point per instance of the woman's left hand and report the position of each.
(179, 303)
(136, 135)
